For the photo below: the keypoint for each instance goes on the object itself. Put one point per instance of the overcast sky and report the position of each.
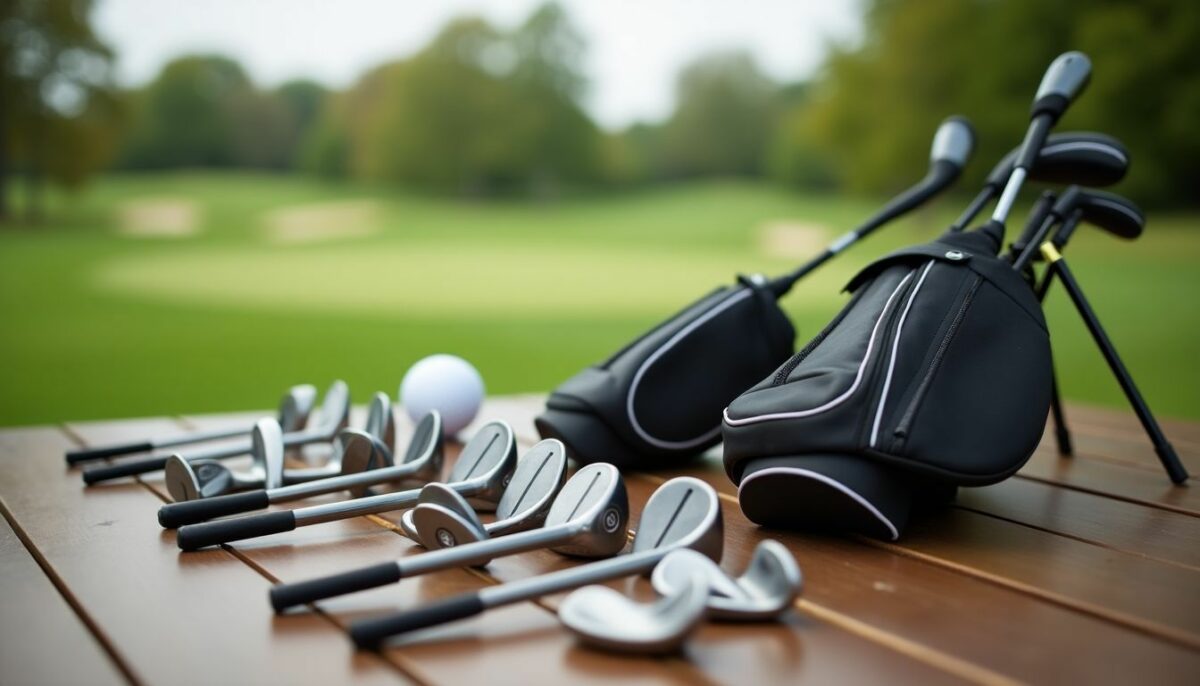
(635, 48)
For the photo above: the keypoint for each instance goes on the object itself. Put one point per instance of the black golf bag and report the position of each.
(657, 402)
(936, 374)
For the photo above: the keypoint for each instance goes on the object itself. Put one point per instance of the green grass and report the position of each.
(100, 324)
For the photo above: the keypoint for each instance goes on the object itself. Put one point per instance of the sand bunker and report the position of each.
(793, 240)
(322, 222)
(158, 218)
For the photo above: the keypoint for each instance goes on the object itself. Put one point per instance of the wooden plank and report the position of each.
(38, 626)
(1123, 421)
(1152, 532)
(1133, 450)
(1113, 480)
(171, 619)
(940, 610)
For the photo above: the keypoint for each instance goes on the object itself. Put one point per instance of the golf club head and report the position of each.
(361, 452)
(1080, 157)
(1113, 213)
(604, 618)
(1064, 80)
(765, 590)
(335, 410)
(594, 500)
(380, 421)
(442, 519)
(526, 501)
(684, 512)
(296, 406)
(953, 143)
(487, 461)
(207, 478)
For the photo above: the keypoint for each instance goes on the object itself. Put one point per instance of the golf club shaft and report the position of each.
(977, 204)
(939, 177)
(284, 596)
(1031, 249)
(1162, 447)
(371, 632)
(1039, 128)
(89, 454)
(155, 463)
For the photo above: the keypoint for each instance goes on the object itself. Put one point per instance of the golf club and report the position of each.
(294, 408)
(1082, 157)
(605, 618)
(209, 478)
(366, 462)
(334, 413)
(482, 470)
(587, 519)
(526, 501)
(952, 146)
(682, 513)
(767, 588)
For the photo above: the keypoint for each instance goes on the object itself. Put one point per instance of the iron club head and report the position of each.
(206, 478)
(602, 617)
(766, 589)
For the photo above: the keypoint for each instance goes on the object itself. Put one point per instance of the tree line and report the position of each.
(485, 111)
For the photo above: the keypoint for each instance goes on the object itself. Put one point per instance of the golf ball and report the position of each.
(446, 383)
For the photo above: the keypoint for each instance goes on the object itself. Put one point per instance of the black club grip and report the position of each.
(369, 633)
(88, 454)
(284, 596)
(117, 471)
(175, 515)
(196, 536)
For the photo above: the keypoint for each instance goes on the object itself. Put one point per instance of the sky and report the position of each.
(635, 48)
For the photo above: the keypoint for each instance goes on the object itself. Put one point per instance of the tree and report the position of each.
(59, 113)
(722, 118)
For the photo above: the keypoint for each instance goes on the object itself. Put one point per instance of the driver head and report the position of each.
(295, 407)
(684, 512)
(594, 501)
(1080, 157)
(766, 589)
(604, 618)
(486, 462)
(526, 501)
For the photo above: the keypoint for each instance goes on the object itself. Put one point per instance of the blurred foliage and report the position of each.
(59, 116)
(875, 106)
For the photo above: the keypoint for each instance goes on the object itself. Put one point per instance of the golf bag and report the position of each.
(936, 374)
(657, 402)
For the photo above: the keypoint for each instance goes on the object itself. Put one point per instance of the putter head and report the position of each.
(335, 410)
(1078, 157)
(486, 462)
(768, 587)
(380, 422)
(684, 512)
(602, 617)
(526, 501)
(442, 519)
(595, 501)
(296, 405)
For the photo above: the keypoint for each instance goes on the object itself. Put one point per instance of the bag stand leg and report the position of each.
(1062, 435)
(1166, 452)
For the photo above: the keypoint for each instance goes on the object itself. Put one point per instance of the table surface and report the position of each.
(1084, 569)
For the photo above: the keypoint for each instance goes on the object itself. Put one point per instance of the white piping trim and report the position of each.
(1085, 145)
(841, 398)
(637, 378)
(887, 381)
(806, 473)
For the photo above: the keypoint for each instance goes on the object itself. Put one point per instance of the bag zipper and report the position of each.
(910, 412)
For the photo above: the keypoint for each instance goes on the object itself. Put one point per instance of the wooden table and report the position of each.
(1081, 570)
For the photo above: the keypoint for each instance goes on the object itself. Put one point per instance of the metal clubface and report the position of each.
(366, 462)
(587, 519)
(485, 465)
(526, 501)
(768, 587)
(602, 617)
(207, 478)
(683, 513)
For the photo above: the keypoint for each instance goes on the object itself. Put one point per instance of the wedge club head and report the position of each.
(526, 501)
(604, 618)
(765, 590)
(206, 478)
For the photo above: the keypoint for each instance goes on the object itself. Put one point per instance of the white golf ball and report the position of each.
(446, 383)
